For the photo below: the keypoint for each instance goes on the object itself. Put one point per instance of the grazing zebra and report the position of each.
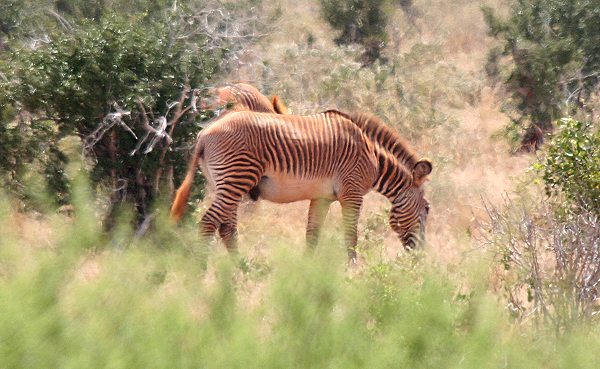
(321, 158)
(242, 96)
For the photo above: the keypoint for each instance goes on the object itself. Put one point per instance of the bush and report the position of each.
(125, 84)
(553, 58)
(548, 261)
(9, 15)
(122, 87)
(30, 147)
(20, 18)
(360, 21)
(572, 164)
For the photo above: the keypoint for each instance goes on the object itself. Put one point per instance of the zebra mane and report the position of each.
(240, 86)
(341, 113)
(386, 137)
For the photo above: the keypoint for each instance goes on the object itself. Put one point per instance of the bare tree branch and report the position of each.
(61, 20)
(109, 121)
(216, 27)
(556, 261)
(159, 133)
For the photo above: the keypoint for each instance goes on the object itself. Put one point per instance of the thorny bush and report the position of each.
(548, 261)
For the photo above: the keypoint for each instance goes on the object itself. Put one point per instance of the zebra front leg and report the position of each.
(350, 213)
(316, 215)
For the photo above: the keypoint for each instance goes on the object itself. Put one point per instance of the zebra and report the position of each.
(244, 96)
(239, 96)
(322, 158)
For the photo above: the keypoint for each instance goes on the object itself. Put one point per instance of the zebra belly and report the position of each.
(283, 189)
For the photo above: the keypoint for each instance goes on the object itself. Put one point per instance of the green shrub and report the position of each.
(124, 83)
(360, 21)
(113, 83)
(97, 9)
(30, 148)
(572, 163)
(552, 56)
(79, 302)
(36, 18)
(10, 11)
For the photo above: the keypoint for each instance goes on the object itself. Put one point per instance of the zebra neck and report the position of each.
(392, 177)
(386, 137)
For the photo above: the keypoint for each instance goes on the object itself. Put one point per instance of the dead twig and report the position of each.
(555, 259)
(109, 121)
(158, 134)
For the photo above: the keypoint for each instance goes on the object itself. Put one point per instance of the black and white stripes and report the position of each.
(322, 158)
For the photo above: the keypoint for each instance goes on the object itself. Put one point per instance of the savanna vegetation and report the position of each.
(100, 103)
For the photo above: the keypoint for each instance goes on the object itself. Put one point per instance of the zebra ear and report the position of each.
(422, 169)
(279, 106)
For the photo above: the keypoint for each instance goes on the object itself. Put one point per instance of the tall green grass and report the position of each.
(166, 301)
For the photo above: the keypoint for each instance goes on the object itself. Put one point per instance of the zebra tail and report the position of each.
(183, 192)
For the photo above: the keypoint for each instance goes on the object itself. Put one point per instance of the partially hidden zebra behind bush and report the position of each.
(322, 158)
(239, 96)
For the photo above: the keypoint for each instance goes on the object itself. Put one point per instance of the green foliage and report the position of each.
(572, 163)
(78, 82)
(80, 303)
(10, 11)
(554, 59)
(97, 9)
(79, 77)
(27, 144)
(360, 21)
(123, 82)
(37, 17)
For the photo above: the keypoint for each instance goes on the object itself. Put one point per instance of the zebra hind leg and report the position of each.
(228, 233)
(221, 216)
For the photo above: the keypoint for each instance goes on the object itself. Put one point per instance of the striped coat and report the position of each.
(322, 158)
(241, 96)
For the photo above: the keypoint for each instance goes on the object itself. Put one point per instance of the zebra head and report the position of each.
(410, 208)
(217, 99)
